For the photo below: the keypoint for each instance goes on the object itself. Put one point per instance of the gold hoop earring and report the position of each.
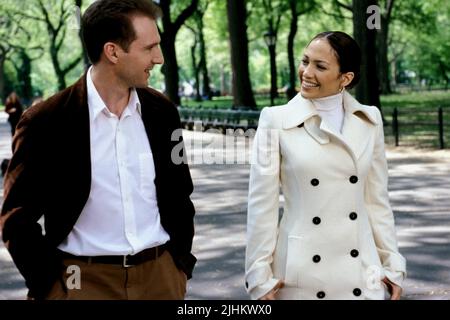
(341, 90)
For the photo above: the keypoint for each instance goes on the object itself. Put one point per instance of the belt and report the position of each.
(124, 261)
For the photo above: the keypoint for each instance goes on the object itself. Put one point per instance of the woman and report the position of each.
(336, 237)
(14, 109)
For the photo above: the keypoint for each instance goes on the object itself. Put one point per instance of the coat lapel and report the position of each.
(357, 120)
(301, 111)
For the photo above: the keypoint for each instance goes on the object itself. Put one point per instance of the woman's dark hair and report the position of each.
(347, 52)
(109, 20)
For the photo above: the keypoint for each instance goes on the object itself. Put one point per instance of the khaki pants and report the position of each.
(157, 279)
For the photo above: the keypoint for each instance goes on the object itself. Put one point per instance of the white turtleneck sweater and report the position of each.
(331, 110)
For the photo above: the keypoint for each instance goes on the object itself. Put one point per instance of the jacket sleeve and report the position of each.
(35, 258)
(182, 232)
(380, 213)
(263, 208)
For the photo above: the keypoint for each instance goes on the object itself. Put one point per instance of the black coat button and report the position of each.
(353, 179)
(354, 253)
(353, 216)
(316, 258)
(315, 182)
(357, 292)
(316, 220)
(320, 294)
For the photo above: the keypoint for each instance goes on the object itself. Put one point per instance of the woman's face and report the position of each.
(319, 71)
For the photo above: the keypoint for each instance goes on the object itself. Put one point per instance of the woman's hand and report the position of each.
(271, 294)
(394, 290)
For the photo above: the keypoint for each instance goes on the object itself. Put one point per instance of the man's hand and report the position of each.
(271, 294)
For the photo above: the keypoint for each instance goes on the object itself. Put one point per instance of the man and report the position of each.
(95, 161)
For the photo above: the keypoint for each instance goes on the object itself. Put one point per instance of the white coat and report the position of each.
(335, 238)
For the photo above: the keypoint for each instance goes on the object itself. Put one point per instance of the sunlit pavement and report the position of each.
(420, 197)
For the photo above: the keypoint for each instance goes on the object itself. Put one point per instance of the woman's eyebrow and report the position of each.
(316, 60)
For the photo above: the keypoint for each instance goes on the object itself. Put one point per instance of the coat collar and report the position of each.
(301, 109)
(357, 118)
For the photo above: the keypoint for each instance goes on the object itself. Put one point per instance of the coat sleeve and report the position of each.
(380, 213)
(35, 258)
(263, 208)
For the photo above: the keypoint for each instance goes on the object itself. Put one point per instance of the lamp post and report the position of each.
(271, 40)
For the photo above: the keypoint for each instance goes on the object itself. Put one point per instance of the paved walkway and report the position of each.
(420, 196)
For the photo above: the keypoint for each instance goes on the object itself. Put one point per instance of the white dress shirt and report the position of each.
(121, 215)
(331, 110)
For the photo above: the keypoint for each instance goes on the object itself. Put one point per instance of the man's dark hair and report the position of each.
(347, 52)
(110, 20)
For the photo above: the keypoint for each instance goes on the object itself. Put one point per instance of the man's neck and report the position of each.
(113, 92)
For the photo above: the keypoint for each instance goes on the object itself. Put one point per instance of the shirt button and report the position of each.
(316, 220)
(316, 258)
(315, 182)
(354, 253)
(320, 294)
(353, 216)
(353, 179)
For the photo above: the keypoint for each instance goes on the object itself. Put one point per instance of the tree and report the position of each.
(55, 17)
(199, 39)
(367, 91)
(77, 16)
(17, 43)
(273, 11)
(195, 65)
(5, 49)
(23, 69)
(206, 89)
(237, 26)
(168, 35)
(382, 47)
(297, 8)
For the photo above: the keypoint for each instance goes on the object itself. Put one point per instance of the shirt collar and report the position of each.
(96, 104)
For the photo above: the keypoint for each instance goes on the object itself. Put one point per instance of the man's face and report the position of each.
(143, 54)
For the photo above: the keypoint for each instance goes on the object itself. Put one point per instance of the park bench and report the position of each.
(220, 119)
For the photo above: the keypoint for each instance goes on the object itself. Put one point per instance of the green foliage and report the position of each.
(419, 41)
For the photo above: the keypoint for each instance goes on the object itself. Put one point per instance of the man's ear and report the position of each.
(110, 50)
(346, 78)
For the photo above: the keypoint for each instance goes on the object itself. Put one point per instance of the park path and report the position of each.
(420, 196)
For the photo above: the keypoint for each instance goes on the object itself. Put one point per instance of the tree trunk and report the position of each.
(367, 91)
(223, 82)
(242, 88)
(56, 66)
(24, 74)
(196, 70)
(86, 61)
(2, 78)
(293, 74)
(393, 83)
(206, 89)
(383, 64)
(273, 74)
(170, 68)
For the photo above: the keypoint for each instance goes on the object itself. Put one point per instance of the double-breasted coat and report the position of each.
(335, 237)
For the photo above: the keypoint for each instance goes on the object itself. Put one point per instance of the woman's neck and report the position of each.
(328, 103)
